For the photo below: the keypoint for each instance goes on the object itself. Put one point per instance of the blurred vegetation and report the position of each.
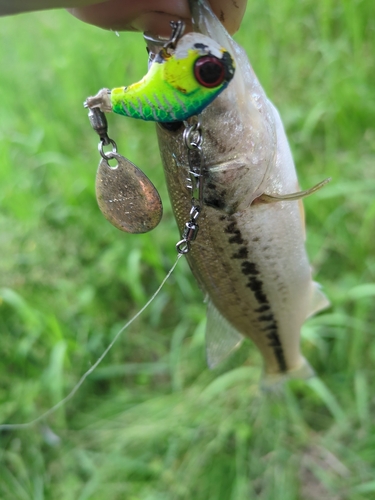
(152, 422)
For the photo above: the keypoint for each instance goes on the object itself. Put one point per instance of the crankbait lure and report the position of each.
(185, 76)
(178, 85)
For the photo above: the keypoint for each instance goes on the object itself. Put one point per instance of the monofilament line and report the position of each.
(90, 370)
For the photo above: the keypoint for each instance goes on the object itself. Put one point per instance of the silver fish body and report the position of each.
(249, 257)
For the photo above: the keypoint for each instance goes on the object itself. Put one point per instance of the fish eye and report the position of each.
(209, 71)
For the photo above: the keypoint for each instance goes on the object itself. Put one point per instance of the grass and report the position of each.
(152, 422)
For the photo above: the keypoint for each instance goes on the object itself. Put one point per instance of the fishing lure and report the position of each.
(182, 80)
(184, 77)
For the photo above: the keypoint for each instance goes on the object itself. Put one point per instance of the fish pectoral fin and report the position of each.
(221, 337)
(318, 300)
(272, 198)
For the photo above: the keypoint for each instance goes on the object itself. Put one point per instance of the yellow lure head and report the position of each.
(179, 84)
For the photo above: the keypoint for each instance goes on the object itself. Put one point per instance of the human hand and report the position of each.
(132, 15)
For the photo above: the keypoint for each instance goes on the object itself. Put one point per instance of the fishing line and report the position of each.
(93, 367)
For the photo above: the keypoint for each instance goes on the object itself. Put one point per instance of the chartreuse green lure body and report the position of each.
(178, 84)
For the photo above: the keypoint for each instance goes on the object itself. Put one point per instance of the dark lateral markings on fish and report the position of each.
(215, 199)
(249, 269)
(242, 253)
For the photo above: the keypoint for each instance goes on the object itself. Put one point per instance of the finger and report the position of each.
(230, 13)
(148, 15)
(8, 7)
(140, 15)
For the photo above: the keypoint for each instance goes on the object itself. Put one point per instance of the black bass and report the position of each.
(249, 257)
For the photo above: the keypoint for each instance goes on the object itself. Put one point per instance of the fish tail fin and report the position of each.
(273, 381)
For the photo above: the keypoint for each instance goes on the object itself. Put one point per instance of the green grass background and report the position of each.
(152, 422)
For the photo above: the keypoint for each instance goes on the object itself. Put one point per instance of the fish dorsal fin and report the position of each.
(221, 337)
(318, 300)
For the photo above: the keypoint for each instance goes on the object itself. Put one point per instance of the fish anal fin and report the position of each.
(318, 300)
(273, 198)
(221, 337)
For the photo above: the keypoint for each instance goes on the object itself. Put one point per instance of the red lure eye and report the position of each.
(209, 71)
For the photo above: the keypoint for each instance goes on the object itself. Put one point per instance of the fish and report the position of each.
(249, 257)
